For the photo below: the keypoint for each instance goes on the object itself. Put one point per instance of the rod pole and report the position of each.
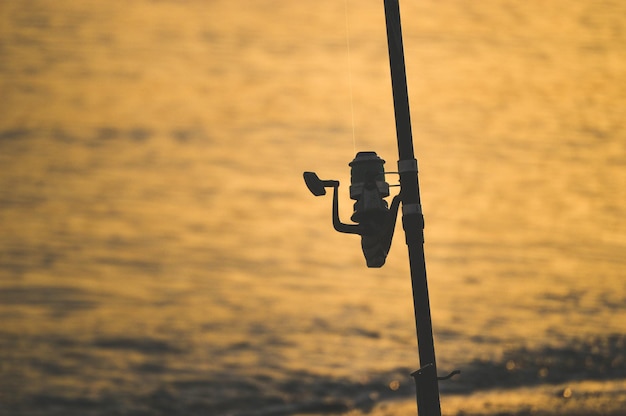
(427, 386)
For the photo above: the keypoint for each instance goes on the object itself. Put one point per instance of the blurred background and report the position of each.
(160, 254)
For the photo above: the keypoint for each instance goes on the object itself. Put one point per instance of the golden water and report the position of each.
(159, 252)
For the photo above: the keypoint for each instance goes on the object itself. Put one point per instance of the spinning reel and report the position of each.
(374, 220)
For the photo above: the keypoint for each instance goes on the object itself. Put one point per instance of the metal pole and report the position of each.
(412, 219)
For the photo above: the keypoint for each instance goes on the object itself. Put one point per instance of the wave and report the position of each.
(274, 392)
(594, 358)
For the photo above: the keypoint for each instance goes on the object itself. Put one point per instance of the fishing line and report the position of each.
(350, 76)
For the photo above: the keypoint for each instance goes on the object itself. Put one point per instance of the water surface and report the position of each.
(160, 253)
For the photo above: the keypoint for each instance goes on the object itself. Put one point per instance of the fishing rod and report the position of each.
(375, 220)
(426, 380)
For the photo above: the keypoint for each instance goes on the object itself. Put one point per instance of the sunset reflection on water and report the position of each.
(161, 253)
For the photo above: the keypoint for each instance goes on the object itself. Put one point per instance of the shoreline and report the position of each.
(589, 398)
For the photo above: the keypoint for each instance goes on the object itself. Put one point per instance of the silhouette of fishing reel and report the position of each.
(375, 221)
